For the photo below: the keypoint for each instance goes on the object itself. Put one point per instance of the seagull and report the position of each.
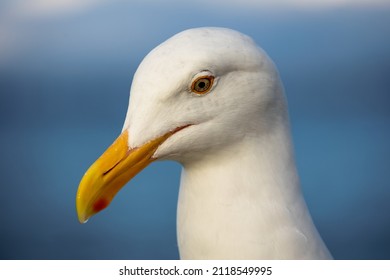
(212, 100)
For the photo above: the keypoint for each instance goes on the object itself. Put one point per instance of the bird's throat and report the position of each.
(245, 203)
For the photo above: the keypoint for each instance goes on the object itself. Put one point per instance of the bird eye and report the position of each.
(202, 84)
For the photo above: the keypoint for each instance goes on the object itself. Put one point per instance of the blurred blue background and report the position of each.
(66, 67)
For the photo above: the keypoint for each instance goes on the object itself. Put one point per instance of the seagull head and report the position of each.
(198, 92)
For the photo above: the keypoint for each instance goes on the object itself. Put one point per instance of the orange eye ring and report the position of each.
(202, 85)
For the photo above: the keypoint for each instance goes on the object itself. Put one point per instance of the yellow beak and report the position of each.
(115, 167)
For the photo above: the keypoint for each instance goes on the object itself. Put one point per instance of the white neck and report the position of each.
(244, 202)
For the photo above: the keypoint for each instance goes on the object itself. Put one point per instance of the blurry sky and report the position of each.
(65, 71)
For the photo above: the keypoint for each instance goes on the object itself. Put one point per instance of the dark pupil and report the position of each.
(202, 85)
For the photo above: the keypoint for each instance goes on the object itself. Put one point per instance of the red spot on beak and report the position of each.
(99, 205)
